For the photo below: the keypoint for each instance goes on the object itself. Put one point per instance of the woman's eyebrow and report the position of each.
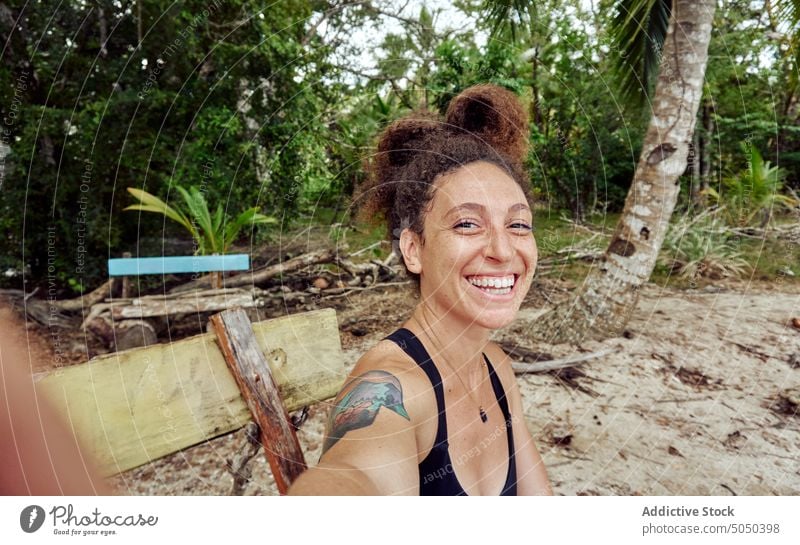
(480, 209)
(471, 206)
(519, 206)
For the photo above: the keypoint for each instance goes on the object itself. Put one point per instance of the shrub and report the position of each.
(702, 247)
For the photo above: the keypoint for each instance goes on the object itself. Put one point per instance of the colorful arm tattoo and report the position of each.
(358, 403)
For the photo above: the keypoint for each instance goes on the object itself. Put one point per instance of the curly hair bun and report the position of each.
(405, 137)
(493, 114)
(483, 123)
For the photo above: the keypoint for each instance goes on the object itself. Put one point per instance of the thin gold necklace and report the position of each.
(482, 413)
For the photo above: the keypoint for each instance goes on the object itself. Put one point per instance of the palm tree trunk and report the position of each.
(610, 292)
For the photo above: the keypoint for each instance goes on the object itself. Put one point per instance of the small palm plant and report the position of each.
(213, 233)
(702, 247)
(753, 192)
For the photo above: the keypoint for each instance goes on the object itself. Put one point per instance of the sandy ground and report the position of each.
(700, 398)
(697, 402)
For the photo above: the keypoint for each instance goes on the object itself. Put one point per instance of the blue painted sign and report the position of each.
(135, 266)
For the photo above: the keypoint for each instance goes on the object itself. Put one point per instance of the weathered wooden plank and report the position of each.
(151, 306)
(252, 373)
(135, 406)
(186, 305)
(177, 264)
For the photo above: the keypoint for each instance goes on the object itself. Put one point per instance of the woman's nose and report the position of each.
(499, 245)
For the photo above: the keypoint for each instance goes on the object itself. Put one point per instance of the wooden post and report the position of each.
(257, 385)
(126, 286)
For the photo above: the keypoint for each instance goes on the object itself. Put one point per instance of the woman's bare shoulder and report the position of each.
(388, 377)
(387, 357)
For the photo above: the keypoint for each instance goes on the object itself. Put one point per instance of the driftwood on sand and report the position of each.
(552, 365)
(263, 274)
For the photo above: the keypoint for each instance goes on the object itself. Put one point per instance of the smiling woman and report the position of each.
(434, 409)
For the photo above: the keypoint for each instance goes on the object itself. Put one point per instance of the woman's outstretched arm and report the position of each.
(40, 454)
(370, 445)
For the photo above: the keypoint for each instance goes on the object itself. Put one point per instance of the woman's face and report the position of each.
(478, 256)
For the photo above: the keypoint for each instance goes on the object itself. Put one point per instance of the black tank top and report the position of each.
(436, 472)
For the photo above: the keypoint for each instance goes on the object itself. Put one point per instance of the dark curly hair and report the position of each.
(483, 123)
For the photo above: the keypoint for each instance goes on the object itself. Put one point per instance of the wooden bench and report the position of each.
(133, 407)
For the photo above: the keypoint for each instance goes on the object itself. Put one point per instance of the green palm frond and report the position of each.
(216, 221)
(788, 13)
(250, 216)
(787, 10)
(198, 208)
(509, 14)
(151, 203)
(753, 191)
(212, 233)
(637, 33)
(702, 246)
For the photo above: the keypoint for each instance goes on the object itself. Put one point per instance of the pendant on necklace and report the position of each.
(484, 418)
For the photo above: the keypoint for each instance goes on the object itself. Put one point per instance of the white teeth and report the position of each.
(496, 284)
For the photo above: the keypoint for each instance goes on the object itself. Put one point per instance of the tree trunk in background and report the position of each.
(694, 169)
(706, 143)
(536, 110)
(608, 296)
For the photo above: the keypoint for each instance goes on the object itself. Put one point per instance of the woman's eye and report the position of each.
(466, 224)
(522, 226)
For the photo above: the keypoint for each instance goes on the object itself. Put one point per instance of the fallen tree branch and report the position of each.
(87, 300)
(523, 354)
(197, 294)
(66, 305)
(259, 276)
(262, 275)
(45, 313)
(545, 366)
(356, 269)
(42, 311)
(789, 232)
(343, 292)
(238, 465)
(156, 305)
(577, 256)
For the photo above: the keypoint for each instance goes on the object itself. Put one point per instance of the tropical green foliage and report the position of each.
(702, 247)
(748, 92)
(278, 106)
(787, 14)
(511, 15)
(102, 95)
(637, 32)
(212, 233)
(750, 195)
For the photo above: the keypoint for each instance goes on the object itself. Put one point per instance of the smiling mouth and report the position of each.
(494, 285)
